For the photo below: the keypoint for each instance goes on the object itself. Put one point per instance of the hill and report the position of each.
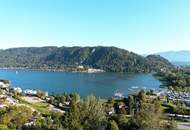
(61, 58)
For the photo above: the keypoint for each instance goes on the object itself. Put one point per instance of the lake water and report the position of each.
(99, 84)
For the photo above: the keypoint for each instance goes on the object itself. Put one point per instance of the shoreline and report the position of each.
(57, 70)
(51, 70)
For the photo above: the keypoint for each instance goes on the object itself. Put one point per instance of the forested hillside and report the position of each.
(107, 58)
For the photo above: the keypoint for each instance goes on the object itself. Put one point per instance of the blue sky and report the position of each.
(142, 26)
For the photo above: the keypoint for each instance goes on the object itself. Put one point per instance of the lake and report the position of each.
(99, 84)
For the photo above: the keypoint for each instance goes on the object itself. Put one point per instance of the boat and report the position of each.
(134, 87)
(118, 94)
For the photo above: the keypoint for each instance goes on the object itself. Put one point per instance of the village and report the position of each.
(43, 103)
(36, 100)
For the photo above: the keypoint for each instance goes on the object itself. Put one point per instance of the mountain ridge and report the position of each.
(111, 59)
(180, 57)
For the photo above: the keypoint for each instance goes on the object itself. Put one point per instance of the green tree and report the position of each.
(122, 121)
(180, 108)
(112, 125)
(3, 127)
(148, 118)
(0, 91)
(15, 117)
(75, 97)
(141, 96)
(72, 120)
(171, 125)
(92, 115)
(131, 105)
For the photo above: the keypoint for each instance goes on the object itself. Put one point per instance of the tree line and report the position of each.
(136, 112)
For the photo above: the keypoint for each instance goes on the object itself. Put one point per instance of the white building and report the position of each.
(46, 94)
(67, 103)
(80, 67)
(90, 70)
(30, 92)
(110, 111)
(3, 85)
(29, 123)
(2, 105)
(17, 89)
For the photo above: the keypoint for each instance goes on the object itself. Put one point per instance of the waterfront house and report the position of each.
(90, 70)
(16, 89)
(30, 92)
(80, 67)
(4, 84)
(46, 94)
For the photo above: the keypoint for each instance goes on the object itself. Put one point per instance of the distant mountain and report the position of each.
(177, 57)
(184, 63)
(107, 58)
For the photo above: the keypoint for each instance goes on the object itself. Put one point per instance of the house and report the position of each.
(4, 84)
(2, 105)
(121, 105)
(46, 94)
(110, 111)
(49, 99)
(60, 105)
(29, 123)
(90, 70)
(80, 67)
(160, 92)
(16, 89)
(66, 102)
(30, 92)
